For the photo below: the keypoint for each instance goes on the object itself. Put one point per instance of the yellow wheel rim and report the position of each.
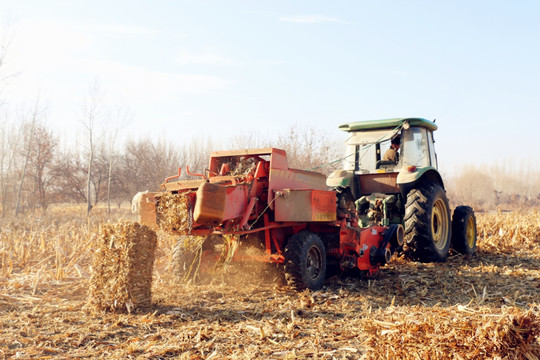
(471, 232)
(439, 224)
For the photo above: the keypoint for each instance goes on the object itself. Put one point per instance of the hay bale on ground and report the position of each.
(122, 267)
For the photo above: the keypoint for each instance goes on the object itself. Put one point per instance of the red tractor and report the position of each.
(250, 206)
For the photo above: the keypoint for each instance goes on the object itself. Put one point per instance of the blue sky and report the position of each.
(219, 68)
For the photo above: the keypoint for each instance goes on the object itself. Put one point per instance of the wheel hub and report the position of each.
(439, 224)
(314, 263)
(471, 233)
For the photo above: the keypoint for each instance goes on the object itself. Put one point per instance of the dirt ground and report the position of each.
(483, 307)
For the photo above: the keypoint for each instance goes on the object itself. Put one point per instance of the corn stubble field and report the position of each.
(486, 306)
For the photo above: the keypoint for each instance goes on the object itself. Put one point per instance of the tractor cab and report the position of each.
(369, 140)
(374, 181)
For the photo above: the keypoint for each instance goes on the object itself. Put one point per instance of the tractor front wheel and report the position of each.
(428, 230)
(305, 261)
(464, 230)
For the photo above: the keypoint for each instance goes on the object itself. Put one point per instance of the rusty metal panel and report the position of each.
(216, 203)
(297, 179)
(237, 200)
(147, 210)
(294, 179)
(210, 205)
(182, 185)
(305, 205)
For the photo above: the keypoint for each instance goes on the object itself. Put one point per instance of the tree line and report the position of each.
(36, 171)
(501, 186)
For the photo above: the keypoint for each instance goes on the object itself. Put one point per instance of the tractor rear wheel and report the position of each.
(427, 223)
(464, 230)
(305, 261)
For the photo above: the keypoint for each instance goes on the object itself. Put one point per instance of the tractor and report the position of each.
(248, 206)
(409, 191)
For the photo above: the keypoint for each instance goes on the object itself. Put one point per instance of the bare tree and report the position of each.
(70, 173)
(121, 121)
(195, 154)
(10, 140)
(310, 149)
(90, 117)
(29, 143)
(41, 166)
(147, 163)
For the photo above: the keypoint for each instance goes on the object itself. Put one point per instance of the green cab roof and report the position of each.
(387, 123)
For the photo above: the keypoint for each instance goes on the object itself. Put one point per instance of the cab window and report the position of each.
(415, 150)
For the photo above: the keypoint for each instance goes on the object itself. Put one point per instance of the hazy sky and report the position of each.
(218, 68)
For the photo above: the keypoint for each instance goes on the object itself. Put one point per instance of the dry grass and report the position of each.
(486, 306)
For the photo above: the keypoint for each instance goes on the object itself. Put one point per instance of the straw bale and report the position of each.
(122, 268)
(173, 212)
(458, 332)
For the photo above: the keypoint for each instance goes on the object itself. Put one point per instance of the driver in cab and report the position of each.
(392, 153)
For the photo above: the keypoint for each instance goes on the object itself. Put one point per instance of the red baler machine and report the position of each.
(253, 199)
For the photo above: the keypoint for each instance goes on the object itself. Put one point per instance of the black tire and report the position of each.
(187, 253)
(428, 231)
(464, 230)
(185, 260)
(305, 261)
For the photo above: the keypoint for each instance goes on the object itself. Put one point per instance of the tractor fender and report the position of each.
(340, 178)
(343, 179)
(408, 180)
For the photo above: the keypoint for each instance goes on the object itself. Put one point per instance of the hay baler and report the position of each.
(250, 206)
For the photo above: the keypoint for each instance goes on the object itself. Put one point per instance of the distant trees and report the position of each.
(474, 187)
(42, 178)
(146, 163)
(495, 187)
(70, 172)
(307, 147)
(310, 149)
